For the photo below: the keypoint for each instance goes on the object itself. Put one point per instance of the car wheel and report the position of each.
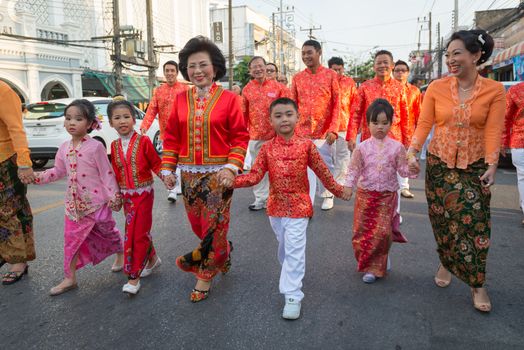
(39, 163)
(157, 142)
(99, 139)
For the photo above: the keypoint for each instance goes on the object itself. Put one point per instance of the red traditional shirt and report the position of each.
(287, 163)
(256, 99)
(318, 98)
(161, 104)
(205, 131)
(391, 90)
(133, 169)
(513, 134)
(414, 99)
(348, 92)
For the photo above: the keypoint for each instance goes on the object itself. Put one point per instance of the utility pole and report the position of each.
(281, 37)
(230, 34)
(429, 49)
(439, 52)
(151, 48)
(117, 65)
(456, 16)
(418, 50)
(310, 30)
(274, 38)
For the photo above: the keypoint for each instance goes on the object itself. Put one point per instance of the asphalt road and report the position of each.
(403, 311)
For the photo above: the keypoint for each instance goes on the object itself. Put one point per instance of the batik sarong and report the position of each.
(16, 220)
(459, 211)
(207, 205)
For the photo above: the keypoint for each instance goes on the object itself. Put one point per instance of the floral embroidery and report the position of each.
(513, 134)
(348, 92)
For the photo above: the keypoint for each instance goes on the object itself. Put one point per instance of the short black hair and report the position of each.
(335, 60)
(383, 52)
(202, 44)
(256, 58)
(170, 62)
(120, 102)
(313, 43)
(378, 106)
(86, 107)
(401, 63)
(283, 101)
(274, 65)
(475, 40)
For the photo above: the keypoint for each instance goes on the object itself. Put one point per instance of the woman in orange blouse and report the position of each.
(16, 221)
(206, 138)
(468, 113)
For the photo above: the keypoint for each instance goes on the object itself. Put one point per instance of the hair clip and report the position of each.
(481, 39)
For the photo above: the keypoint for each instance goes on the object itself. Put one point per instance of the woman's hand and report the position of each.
(413, 163)
(226, 178)
(488, 179)
(26, 175)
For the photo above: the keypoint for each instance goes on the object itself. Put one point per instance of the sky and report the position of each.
(353, 28)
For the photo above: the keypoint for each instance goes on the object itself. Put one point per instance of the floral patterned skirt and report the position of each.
(16, 220)
(207, 205)
(459, 211)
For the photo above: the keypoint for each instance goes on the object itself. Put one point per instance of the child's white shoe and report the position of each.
(369, 278)
(291, 309)
(146, 272)
(131, 289)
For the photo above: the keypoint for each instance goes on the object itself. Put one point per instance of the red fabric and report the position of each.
(348, 93)
(209, 132)
(513, 134)
(287, 163)
(318, 99)
(256, 99)
(391, 90)
(138, 244)
(375, 226)
(162, 104)
(134, 169)
(414, 100)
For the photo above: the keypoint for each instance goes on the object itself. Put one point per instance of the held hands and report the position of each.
(226, 178)
(169, 181)
(331, 137)
(115, 204)
(347, 194)
(488, 178)
(413, 163)
(26, 175)
(351, 145)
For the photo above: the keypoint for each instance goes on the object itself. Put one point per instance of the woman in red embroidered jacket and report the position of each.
(206, 137)
(134, 159)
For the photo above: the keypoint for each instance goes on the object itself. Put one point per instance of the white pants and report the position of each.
(517, 156)
(291, 236)
(260, 190)
(178, 186)
(326, 152)
(403, 183)
(424, 150)
(342, 158)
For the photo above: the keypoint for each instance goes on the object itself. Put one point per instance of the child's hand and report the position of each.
(26, 175)
(347, 194)
(169, 181)
(226, 178)
(115, 204)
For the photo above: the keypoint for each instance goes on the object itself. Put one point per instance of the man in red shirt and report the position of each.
(256, 99)
(348, 92)
(413, 96)
(317, 94)
(161, 105)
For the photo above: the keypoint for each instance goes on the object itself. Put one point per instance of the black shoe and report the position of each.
(257, 206)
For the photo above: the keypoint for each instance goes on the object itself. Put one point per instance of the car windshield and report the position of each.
(39, 111)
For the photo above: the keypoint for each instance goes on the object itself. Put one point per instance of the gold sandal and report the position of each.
(480, 306)
(440, 282)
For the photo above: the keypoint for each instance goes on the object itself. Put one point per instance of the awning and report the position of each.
(135, 88)
(507, 54)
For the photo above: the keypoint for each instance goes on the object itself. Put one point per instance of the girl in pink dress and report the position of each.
(90, 233)
(373, 170)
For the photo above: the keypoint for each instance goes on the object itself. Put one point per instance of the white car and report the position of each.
(44, 126)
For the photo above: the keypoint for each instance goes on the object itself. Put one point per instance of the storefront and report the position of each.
(508, 65)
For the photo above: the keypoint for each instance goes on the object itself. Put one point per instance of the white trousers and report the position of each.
(178, 186)
(260, 190)
(342, 158)
(517, 157)
(403, 183)
(291, 236)
(326, 152)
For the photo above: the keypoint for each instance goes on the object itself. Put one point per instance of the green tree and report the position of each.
(241, 72)
(362, 71)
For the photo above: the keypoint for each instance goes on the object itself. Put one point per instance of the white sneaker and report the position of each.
(131, 289)
(256, 206)
(146, 272)
(172, 197)
(327, 204)
(369, 278)
(291, 309)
